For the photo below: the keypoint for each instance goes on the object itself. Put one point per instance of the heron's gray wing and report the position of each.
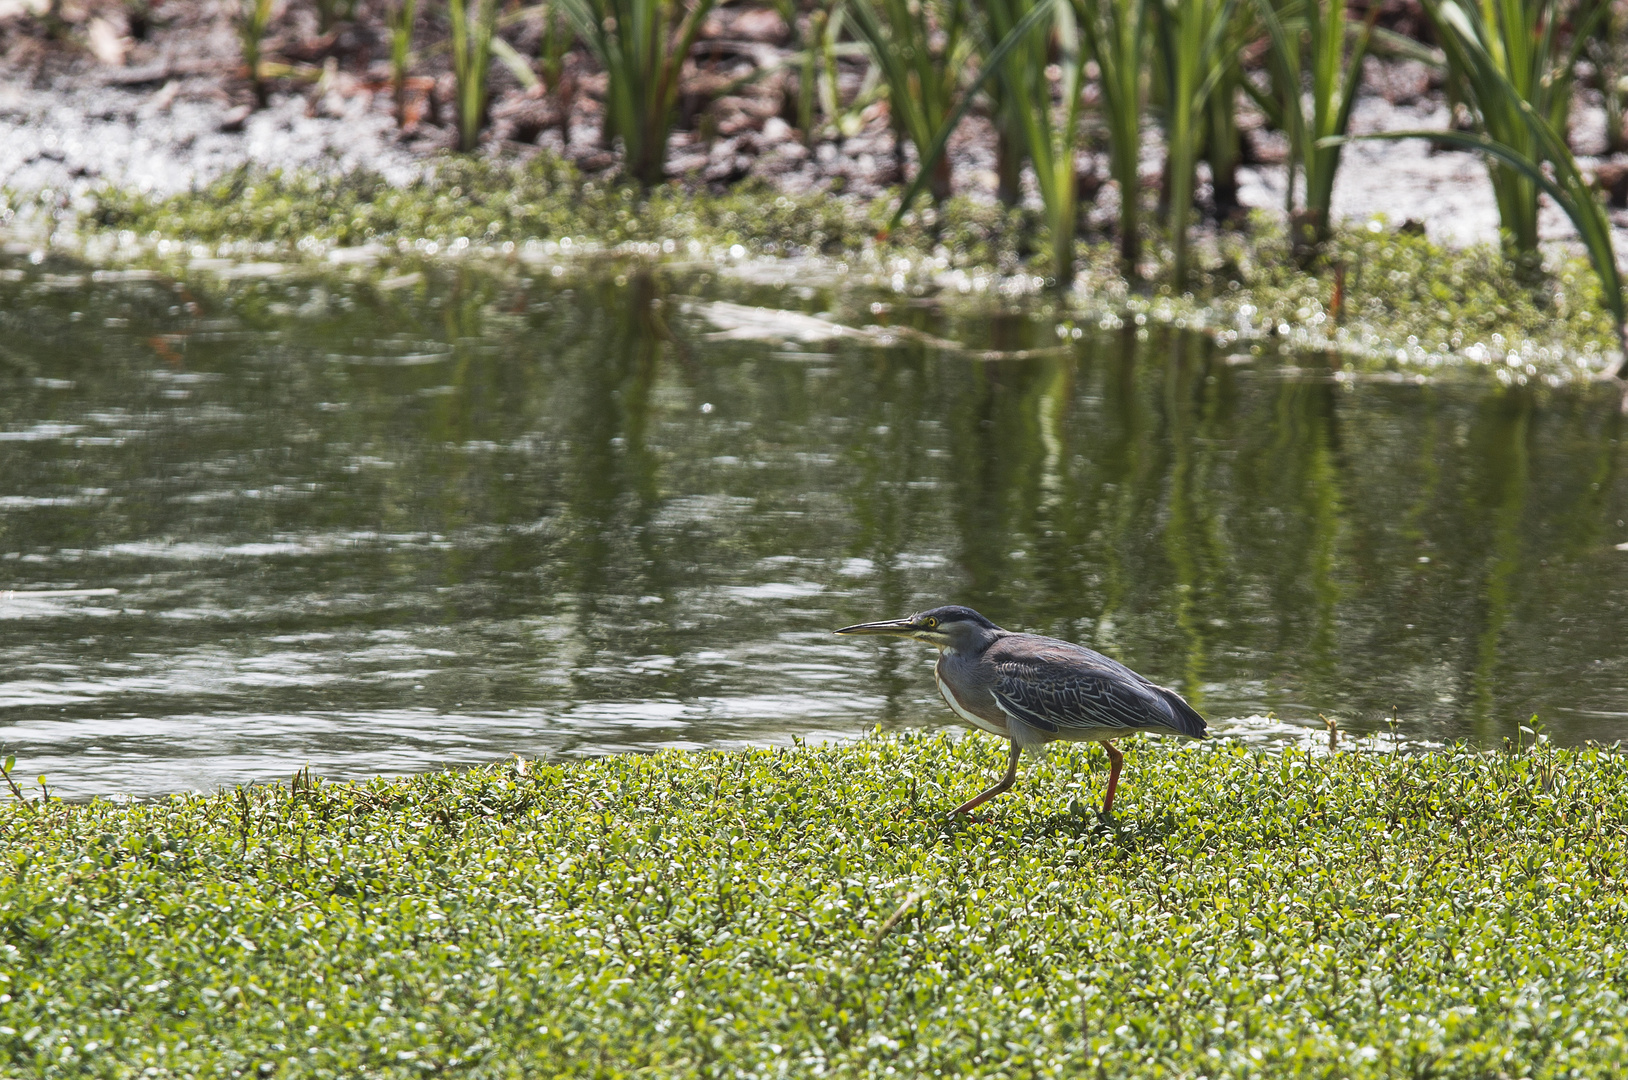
(1058, 691)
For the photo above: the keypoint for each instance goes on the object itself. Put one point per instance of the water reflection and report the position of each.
(383, 530)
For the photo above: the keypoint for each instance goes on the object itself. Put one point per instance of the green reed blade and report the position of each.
(920, 47)
(1332, 77)
(1188, 35)
(642, 45)
(472, 31)
(990, 66)
(1116, 35)
(1570, 191)
(255, 18)
(1508, 58)
(400, 17)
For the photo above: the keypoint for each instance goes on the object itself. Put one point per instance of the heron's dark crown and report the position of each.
(954, 613)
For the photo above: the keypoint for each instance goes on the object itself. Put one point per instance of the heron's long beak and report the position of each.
(902, 627)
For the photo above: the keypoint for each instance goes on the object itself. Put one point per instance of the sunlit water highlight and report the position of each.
(381, 531)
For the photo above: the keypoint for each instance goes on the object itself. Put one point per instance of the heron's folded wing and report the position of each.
(1060, 693)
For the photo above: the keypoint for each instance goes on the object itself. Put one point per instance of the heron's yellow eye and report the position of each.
(931, 622)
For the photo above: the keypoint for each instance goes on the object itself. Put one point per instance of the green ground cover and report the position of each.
(1406, 302)
(809, 912)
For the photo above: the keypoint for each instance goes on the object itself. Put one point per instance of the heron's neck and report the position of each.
(974, 647)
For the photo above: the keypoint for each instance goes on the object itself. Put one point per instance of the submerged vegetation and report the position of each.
(811, 911)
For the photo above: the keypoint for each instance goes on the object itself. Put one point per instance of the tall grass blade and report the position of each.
(1116, 35)
(400, 17)
(848, 120)
(1191, 62)
(553, 43)
(1223, 142)
(473, 28)
(642, 45)
(1045, 135)
(1509, 61)
(1051, 141)
(254, 18)
(1316, 120)
(518, 66)
(1508, 57)
(1005, 107)
(921, 48)
(991, 65)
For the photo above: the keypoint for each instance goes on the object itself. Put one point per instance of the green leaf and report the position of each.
(518, 65)
(991, 65)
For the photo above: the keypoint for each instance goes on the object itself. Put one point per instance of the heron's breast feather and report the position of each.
(994, 727)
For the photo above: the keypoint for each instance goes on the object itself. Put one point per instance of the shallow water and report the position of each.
(384, 530)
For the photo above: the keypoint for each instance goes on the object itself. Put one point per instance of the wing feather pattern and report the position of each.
(1065, 689)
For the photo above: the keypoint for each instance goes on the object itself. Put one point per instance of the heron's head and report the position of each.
(952, 627)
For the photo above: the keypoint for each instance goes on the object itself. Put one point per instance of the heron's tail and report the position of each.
(1183, 717)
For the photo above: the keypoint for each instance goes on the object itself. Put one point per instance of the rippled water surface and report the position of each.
(384, 529)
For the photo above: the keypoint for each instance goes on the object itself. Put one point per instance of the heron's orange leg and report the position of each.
(1004, 784)
(1117, 759)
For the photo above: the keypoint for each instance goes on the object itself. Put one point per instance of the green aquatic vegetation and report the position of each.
(1507, 57)
(487, 201)
(254, 18)
(1407, 302)
(810, 910)
(473, 25)
(921, 49)
(642, 46)
(1310, 43)
(1406, 295)
(1116, 33)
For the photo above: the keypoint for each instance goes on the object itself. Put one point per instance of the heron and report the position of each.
(1032, 690)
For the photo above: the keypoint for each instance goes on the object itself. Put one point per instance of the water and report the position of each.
(385, 530)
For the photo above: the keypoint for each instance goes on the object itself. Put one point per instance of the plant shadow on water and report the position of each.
(383, 529)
